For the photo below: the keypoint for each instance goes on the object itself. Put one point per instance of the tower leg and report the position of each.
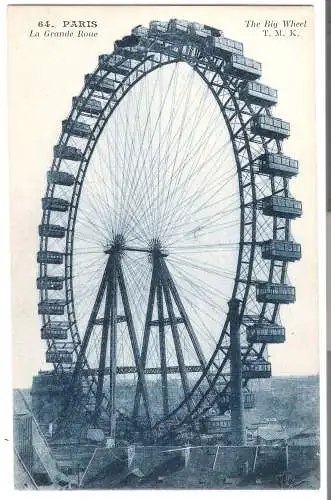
(72, 396)
(163, 356)
(103, 351)
(147, 330)
(178, 347)
(236, 405)
(113, 348)
(134, 343)
(185, 317)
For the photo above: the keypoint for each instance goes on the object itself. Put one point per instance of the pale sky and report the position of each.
(44, 75)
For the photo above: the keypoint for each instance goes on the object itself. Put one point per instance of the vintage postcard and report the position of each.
(165, 215)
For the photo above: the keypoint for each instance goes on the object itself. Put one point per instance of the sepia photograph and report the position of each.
(164, 241)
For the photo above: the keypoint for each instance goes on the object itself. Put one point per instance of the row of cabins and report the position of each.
(282, 250)
(258, 333)
(168, 34)
(269, 164)
(253, 92)
(263, 332)
(64, 352)
(274, 206)
(162, 34)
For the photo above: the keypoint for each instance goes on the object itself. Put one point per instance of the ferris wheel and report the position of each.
(167, 197)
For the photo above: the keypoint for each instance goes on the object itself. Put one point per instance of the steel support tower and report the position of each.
(236, 401)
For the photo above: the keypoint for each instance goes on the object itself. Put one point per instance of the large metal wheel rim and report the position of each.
(70, 234)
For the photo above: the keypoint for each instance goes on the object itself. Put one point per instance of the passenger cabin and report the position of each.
(100, 84)
(258, 93)
(52, 306)
(215, 424)
(59, 356)
(115, 64)
(242, 67)
(286, 251)
(258, 368)
(140, 31)
(167, 48)
(249, 400)
(269, 126)
(265, 333)
(60, 178)
(57, 330)
(129, 41)
(277, 164)
(50, 283)
(224, 398)
(224, 47)
(67, 152)
(204, 31)
(56, 204)
(75, 128)
(275, 293)
(200, 32)
(49, 257)
(178, 26)
(282, 206)
(136, 53)
(52, 231)
(56, 335)
(91, 107)
(158, 27)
